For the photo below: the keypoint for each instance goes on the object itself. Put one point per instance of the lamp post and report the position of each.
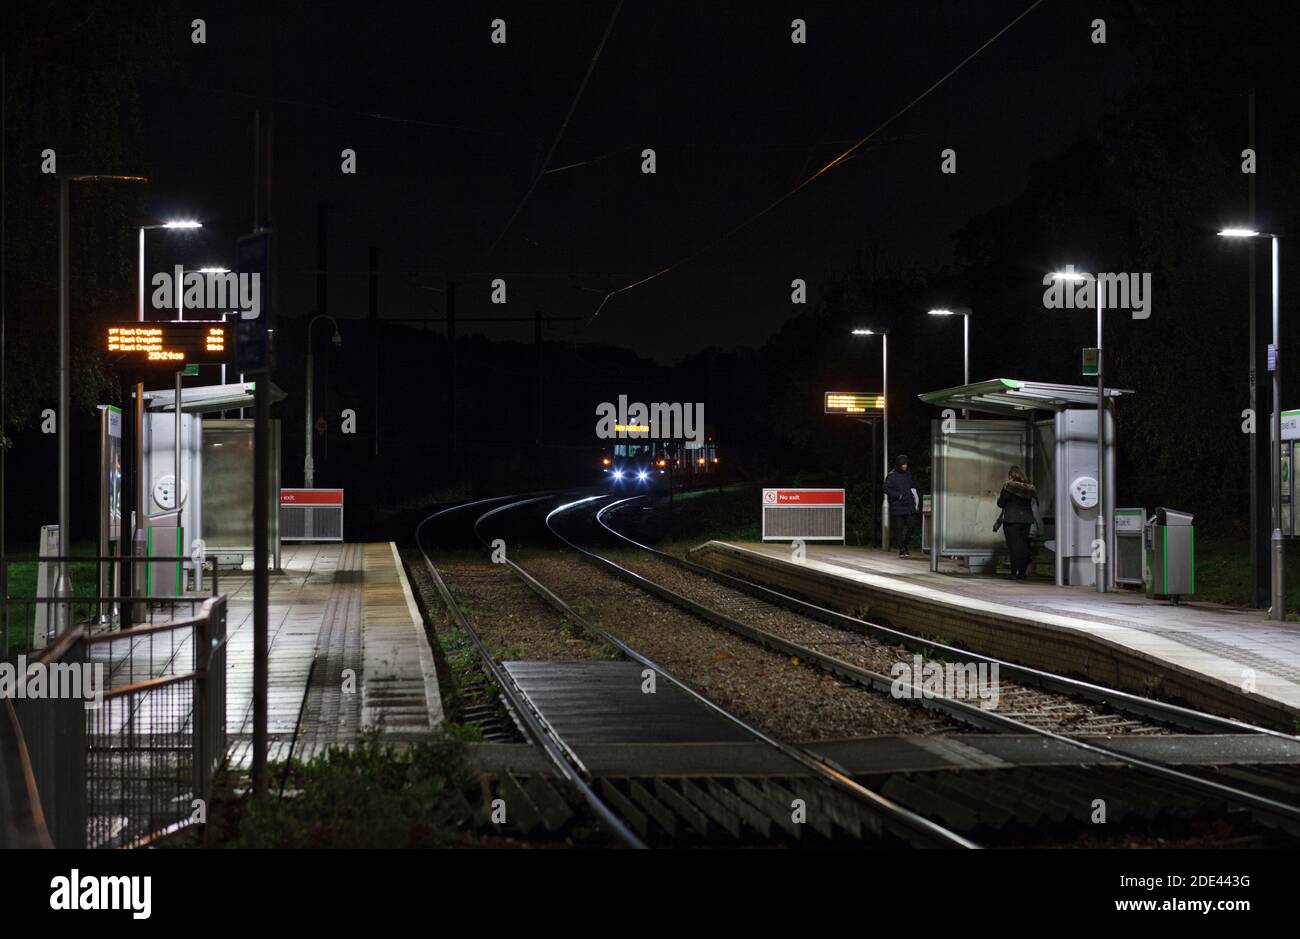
(964, 313)
(127, 528)
(173, 225)
(218, 270)
(1277, 610)
(884, 420)
(64, 587)
(1101, 547)
(308, 467)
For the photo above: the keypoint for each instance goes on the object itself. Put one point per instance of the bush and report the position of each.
(376, 794)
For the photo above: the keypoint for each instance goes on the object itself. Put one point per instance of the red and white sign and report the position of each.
(311, 497)
(803, 496)
(803, 514)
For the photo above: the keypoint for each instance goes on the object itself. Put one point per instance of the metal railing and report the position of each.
(24, 614)
(131, 757)
(22, 821)
(52, 728)
(153, 746)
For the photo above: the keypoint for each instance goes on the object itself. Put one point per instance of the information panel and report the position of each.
(853, 402)
(803, 514)
(170, 342)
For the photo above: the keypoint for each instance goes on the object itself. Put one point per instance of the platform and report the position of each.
(341, 607)
(1229, 661)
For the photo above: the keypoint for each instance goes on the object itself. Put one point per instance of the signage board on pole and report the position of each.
(803, 514)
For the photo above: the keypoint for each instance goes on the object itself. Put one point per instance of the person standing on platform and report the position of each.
(903, 503)
(1017, 504)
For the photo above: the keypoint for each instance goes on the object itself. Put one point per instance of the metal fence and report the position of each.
(153, 745)
(132, 757)
(52, 730)
(22, 822)
(30, 609)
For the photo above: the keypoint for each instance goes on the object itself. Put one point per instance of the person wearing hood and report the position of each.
(903, 503)
(1017, 504)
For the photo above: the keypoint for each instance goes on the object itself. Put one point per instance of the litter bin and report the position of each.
(1129, 557)
(1169, 541)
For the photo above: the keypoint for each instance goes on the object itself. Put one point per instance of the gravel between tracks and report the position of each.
(1042, 709)
(511, 620)
(786, 700)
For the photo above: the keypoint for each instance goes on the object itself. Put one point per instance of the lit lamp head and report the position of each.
(182, 223)
(1239, 233)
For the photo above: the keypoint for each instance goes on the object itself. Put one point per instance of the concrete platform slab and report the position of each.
(1230, 661)
(347, 652)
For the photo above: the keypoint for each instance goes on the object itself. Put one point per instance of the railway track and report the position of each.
(562, 758)
(1268, 810)
(840, 806)
(711, 804)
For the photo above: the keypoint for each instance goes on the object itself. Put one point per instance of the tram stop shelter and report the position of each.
(216, 466)
(1051, 431)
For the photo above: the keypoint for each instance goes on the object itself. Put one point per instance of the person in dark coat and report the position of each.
(900, 491)
(1017, 504)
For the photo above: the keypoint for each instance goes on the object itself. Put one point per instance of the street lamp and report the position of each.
(1277, 610)
(127, 530)
(169, 225)
(308, 467)
(64, 587)
(964, 313)
(218, 270)
(884, 419)
(1101, 546)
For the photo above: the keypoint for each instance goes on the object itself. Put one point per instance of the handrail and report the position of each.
(36, 812)
(66, 639)
(116, 635)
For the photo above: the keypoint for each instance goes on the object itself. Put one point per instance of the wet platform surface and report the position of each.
(589, 703)
(346, 652)
(1227, 651)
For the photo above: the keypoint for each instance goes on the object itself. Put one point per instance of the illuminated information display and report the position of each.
(179, 342)
(853, 402)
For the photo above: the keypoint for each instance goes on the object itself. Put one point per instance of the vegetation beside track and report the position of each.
(376, 794)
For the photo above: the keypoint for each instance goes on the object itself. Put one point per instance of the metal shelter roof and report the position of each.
(1010, 396)
(204, 399)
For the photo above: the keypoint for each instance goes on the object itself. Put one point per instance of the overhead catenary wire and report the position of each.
(573, 106)
(841, 158)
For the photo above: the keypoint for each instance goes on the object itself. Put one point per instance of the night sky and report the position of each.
(450, 131)
(1122, 156)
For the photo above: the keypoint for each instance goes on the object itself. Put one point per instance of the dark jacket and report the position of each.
(898, 489)
(1016, 502)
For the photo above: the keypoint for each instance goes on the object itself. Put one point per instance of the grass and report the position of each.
(731, 514)
(375, 795)
(22, 583)
(1223, 571)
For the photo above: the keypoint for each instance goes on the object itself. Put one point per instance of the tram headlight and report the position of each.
(618, 474)
(643, 475)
